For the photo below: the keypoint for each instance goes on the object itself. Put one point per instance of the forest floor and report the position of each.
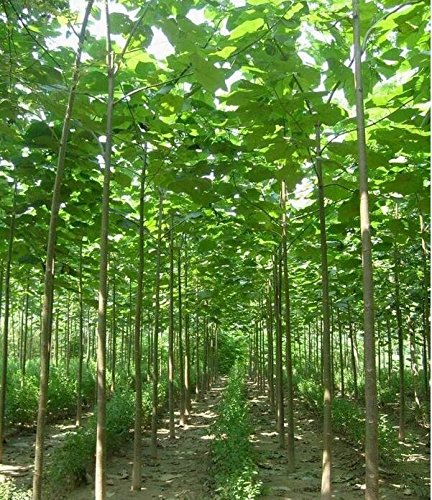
(183, 467)
(305, 482)
(181, 470)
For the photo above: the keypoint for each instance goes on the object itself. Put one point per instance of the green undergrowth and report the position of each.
(72, 462)
(22, 393)
(235, 473)
(348, 420)
(10, 491)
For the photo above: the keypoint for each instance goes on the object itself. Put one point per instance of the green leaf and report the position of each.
(207, 75)
(247, 27)
(40, 134)
(297, 7)
(405, 183)
(120, 23)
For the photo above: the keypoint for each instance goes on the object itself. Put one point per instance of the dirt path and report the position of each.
(19, 451)
(181, 470)
(304, 483)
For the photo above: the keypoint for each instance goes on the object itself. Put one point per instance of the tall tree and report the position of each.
(326, 337)
(136, 469)
(47, 307)
(100, 471)
(371, 442)
(5, 342)
(288, 345)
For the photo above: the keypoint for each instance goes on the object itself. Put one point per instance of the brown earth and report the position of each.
(183, 467)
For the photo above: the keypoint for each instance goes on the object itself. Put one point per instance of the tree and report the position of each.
(371, 444)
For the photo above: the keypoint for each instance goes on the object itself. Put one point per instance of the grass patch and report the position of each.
(236, 475)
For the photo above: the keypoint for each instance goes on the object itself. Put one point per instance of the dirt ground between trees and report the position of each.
(305, 482)
(183, 468)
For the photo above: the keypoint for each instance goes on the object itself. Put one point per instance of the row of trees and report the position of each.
(205, 214)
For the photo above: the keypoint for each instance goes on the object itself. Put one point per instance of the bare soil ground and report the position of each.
(183, 467)
(304, 483)
(181, 470)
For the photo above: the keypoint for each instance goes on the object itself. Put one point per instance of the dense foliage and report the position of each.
(209, 132)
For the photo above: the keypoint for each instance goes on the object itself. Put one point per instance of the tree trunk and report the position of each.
(288, 345)
(341, 358)
(389, 348)
(25, 330)
(80, 337)
(279, 351)
(113, 332)
(6, 319)
(354, 360)
(155, 399)
(400, 348)
(371, 441)
(49, 268)
(171, 333)
(180, 344)
(425, 308)
(270, 355)
(136, 467)
(187, 361)
(100, 475)
(197, 362)
(326, 339)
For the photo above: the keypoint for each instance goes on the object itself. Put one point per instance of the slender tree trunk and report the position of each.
(425, 308)
(389, 348)
(197, 362)
(100, 476)
(1, 289)
(155, 399)
(187, 361)
(270, 354)
(5, 343)
(25, 330)
(341, 358)
(354, 360)
(113, 331)
(136, 468)
(425, 352)
(67, 337)
(49, 268)
(171, 333)
(204, 385)
(279, 351)
(326, 340)
(288, 345)
(413, 355)
(128, 337)
(80, 336)
(371, 441)
(180, 344)
(400, 348)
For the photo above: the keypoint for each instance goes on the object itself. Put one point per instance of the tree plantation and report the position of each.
(214, 252)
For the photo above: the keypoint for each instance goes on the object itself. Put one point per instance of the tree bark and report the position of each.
(401, 355)
(171, 333)
(181, 344)
(136, 467)
(80, 337)
(100, 474)
(49, 267)
(288, 345)
(341, 358)
(6, 323)
(371, 441)
(155, 398)
(279, 350)
(326, 337)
